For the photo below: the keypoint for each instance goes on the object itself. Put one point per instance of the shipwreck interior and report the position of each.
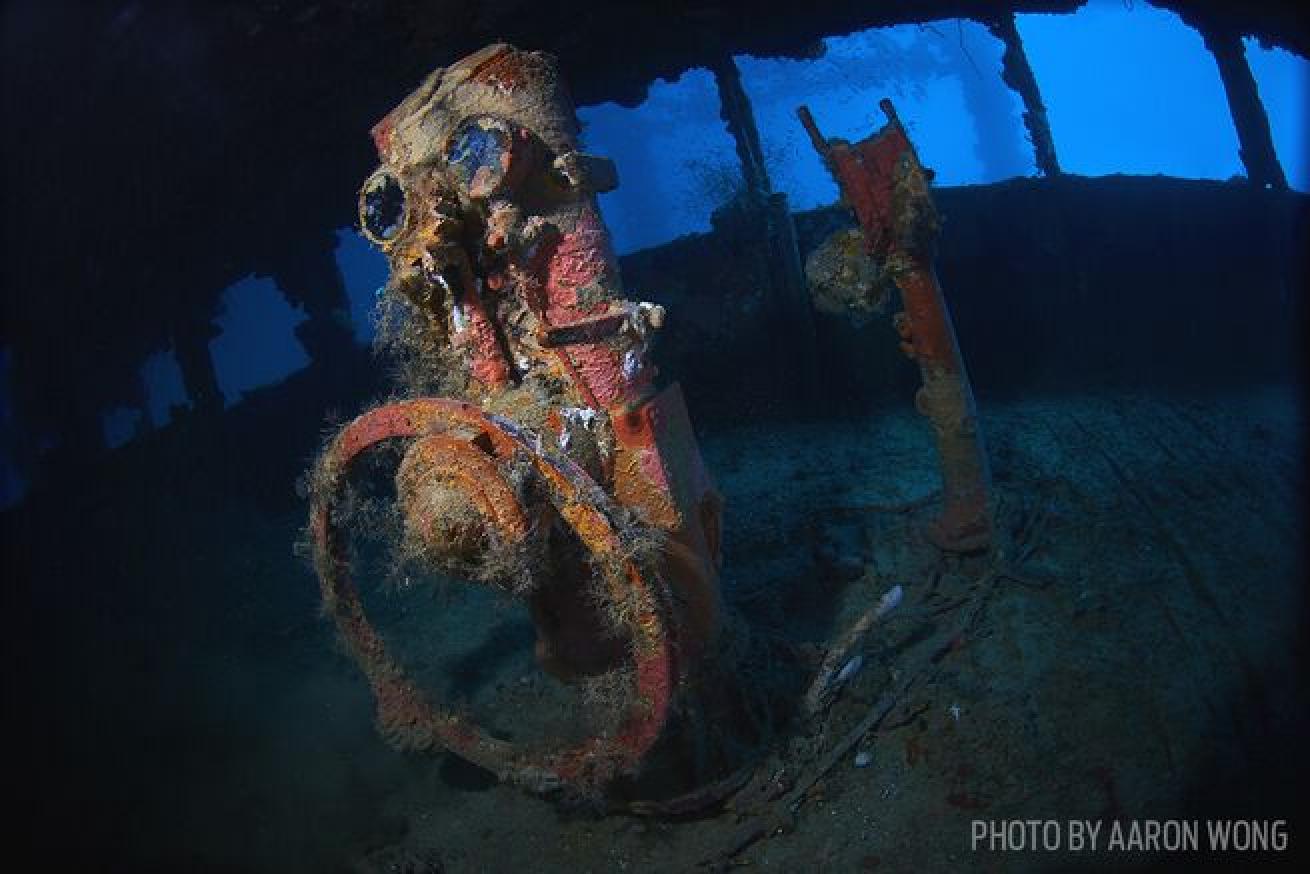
(1130, 642)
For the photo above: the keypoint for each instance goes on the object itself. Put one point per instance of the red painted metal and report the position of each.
(530, 301)
(658, 469)
(583, 259)
(406, 715)
(886, 187)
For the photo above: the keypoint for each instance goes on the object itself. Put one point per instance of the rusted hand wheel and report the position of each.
(458, 447)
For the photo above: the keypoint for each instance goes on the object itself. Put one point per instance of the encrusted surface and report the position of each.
(556, 474)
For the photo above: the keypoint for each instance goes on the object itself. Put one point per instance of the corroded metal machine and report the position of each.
(554, 470)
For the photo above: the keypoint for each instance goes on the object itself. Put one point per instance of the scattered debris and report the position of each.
(829, 678)
(919, 665)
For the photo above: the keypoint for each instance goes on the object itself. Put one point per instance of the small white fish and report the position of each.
(631, 364)
(863, 759)
(584, 416)
(891, 599)
(849, 670)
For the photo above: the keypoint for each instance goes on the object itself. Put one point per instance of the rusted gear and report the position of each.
(440, 472)
(474, 448)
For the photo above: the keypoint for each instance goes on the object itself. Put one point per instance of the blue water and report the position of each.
(1159, 108)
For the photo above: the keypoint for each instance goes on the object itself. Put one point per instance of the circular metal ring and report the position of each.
(383, 208)
(488, 156)
(405, 715)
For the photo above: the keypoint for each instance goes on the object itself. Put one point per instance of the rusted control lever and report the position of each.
(883, 183)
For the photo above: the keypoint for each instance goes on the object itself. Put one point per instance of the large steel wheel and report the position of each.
(455, 446)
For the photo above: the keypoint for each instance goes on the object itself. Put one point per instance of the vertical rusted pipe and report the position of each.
(884, 184)
(946, 398)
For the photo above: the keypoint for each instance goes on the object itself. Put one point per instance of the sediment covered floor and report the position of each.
(187, 708)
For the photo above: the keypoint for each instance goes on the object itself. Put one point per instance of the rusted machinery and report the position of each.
(557, 472)
(884, 184)
(532, 453)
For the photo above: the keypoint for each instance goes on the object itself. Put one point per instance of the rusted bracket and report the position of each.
(588, 329)
(884, 184)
